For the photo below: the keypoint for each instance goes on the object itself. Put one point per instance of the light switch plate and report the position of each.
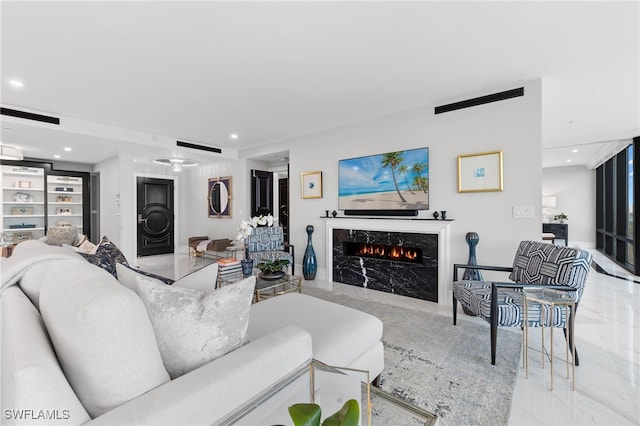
(523, 212)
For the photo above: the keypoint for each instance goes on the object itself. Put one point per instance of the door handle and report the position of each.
(140, 219)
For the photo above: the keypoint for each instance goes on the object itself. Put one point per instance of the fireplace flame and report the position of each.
(395, 252)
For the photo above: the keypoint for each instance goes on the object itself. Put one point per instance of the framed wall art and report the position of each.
(311, 185)
(480, 172)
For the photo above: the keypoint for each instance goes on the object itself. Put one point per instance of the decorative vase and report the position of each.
(472, 274)
(271, 275)
(443, 214)
(247, 267)
(309, 261)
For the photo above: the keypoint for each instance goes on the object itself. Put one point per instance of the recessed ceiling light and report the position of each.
(568, 161)
(574, 150)
(233, 136)
(56, 156)
(16, 83)
(66, 148)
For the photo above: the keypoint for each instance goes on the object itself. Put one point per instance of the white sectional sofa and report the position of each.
(78, 347)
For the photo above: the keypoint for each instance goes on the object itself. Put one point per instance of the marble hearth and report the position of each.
(424, 278)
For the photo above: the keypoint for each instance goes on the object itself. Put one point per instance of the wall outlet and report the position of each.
(525, 212)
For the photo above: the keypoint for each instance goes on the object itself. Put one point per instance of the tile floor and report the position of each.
(607, 334)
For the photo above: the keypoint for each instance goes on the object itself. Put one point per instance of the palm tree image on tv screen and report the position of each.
(396, 180)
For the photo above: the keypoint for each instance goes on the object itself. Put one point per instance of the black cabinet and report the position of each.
(560, 230)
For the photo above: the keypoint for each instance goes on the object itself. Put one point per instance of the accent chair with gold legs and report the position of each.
(536, 265)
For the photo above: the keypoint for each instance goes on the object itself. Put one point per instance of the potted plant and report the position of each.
(272, 269)
(561, 217)
(309, 415)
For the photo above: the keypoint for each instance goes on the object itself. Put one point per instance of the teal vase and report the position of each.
(309, 261)
(472, 239)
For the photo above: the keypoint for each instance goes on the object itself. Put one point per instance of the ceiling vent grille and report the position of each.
(494, 97)
(29, 116)
(199, 147)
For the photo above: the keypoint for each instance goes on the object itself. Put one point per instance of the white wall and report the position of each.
(194, 204)
(574, 188)
(513, 126)
(109, 199)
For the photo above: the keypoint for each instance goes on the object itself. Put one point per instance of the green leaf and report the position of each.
(348, 415)
(305, 414)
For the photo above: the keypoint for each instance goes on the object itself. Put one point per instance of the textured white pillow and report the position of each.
(204, 279)
(101, 334)
(194, 327)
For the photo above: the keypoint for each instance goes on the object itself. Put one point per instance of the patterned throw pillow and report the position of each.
(107, 256)
(195, 327)
(57, 236)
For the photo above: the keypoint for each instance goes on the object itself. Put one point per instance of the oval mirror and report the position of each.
(220, 197)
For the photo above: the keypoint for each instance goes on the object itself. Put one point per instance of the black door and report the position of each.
(155, 216)
(283, 202)
(261, 192)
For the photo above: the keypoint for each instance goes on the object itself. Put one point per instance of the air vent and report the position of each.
(200, 147)
(29, 116)
(494, 97)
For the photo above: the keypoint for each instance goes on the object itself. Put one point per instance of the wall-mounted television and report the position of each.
(392, 181)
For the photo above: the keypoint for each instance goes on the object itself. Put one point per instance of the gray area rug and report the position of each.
(440, 367)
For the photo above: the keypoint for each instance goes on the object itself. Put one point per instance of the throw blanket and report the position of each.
(26, 255)
(202, 245)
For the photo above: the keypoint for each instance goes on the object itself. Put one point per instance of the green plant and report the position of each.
(310, 414)
(561, 216)
(272, 265)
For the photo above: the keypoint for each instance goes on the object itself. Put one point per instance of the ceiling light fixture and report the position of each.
(574, 150)
(56, 156)
(16, 83)
(10, 153)
(66, 148)
(233, 136)
(176, 163)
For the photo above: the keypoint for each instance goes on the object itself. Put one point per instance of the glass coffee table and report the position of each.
(330, 387)
(265, 289)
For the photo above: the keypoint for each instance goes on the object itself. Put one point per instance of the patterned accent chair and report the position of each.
(535, 265)
(267, 243)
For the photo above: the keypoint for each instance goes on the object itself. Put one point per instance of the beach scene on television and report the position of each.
(393, 181)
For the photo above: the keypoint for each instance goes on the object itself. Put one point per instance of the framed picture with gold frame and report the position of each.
(311, 184)
(480, 172)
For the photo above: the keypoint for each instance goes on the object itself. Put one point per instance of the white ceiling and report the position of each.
(153, 72)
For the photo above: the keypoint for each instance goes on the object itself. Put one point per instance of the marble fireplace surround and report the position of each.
(441, 228)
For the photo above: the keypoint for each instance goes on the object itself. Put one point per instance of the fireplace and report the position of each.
(387, 261)
(408, 257)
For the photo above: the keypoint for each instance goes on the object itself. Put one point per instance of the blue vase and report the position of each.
(472, 239)
(309, 261)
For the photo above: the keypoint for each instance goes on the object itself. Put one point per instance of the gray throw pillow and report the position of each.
(57, 236)
(195, 327)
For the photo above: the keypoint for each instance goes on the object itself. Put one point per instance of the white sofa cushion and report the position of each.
(194, 327)
(340, 334)
(102, 335)
(204, 396)
(204, 279)
(31, 377)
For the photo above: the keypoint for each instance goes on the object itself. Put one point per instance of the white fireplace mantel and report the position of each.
(422, 226)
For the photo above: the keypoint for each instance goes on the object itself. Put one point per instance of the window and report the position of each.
(616, 218)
